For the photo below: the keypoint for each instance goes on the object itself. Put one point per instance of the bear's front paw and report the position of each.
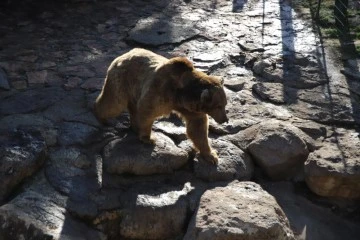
(147, 140)
(211, 157)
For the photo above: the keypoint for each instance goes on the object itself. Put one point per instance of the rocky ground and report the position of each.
(289, 164)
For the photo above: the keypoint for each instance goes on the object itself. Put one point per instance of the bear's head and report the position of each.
(213, 102)
(197, 91)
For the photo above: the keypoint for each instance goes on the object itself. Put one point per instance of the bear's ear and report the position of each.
(221, 80)
(176, 67)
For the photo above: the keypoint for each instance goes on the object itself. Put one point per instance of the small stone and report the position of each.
(30, 58)
(4, 81)
(152, 31)
(93, 84)
(47, 64)
(101, 28)
(234, 84)
(250, 47)
(209, 57)
(72, 82)
(38, 77)
(19, 85)
(238, 71)
(207, 66)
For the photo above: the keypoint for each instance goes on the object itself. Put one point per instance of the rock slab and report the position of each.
(21, 154)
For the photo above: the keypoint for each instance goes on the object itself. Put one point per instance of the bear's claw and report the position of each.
(211, 158)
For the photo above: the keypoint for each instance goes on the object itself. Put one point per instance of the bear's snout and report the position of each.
(225, 119)
(220, 118)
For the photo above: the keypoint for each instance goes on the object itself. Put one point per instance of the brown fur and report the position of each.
(150, 86)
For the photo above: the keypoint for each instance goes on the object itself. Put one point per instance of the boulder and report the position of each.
(277, 147)
(241, 210)
(129, 155)
(22, 153)
(233, 164)
(334, 169)
(148, 209)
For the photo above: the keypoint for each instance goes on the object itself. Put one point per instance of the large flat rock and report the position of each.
(129, 155)
(30, 101)
(154, 31)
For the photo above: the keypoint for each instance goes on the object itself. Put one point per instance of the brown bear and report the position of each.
(150, 86)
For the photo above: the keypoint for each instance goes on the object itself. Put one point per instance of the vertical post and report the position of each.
(318, 10)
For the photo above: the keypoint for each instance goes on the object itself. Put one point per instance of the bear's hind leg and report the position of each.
(108, 104)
